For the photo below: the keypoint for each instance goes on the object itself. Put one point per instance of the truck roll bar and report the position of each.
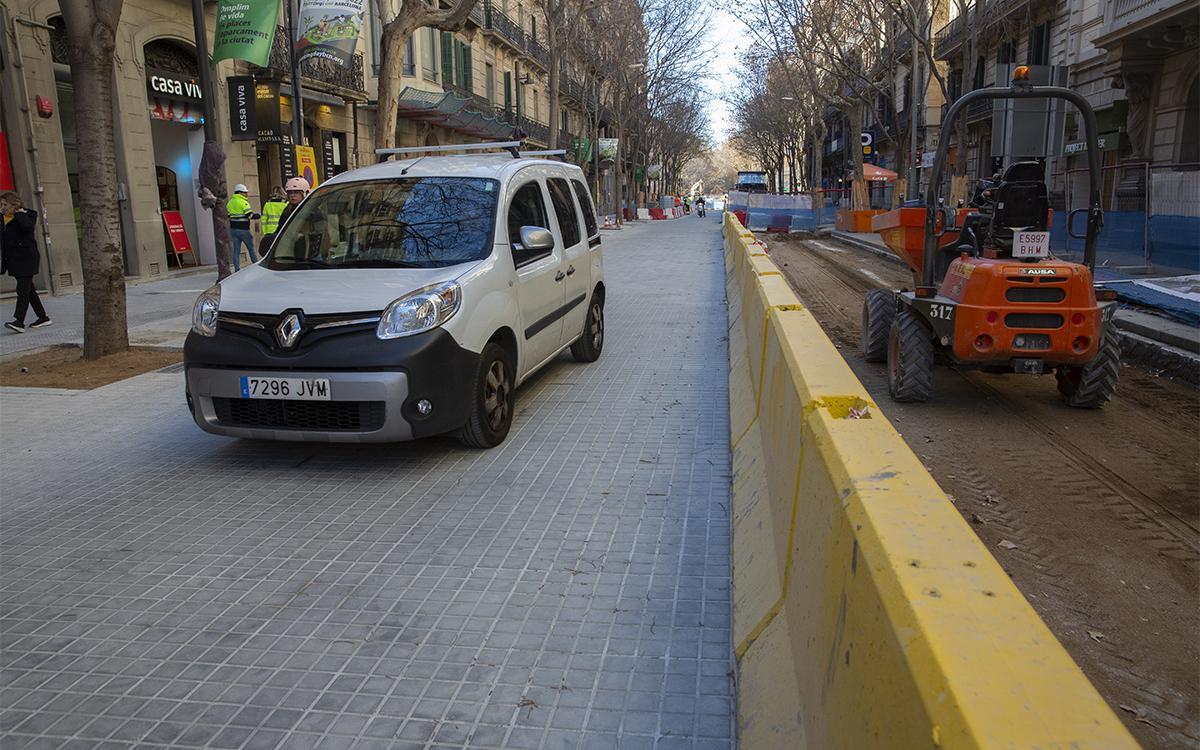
(1020, 89)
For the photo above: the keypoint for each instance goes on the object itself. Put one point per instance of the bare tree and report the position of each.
(91, 27)
(400, 18)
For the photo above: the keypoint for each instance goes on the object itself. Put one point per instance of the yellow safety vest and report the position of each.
(270, 215)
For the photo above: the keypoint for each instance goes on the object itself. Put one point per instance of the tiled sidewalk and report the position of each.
(162, 587)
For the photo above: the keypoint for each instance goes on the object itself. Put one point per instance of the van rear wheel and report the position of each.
(588, 347)
(493, 401)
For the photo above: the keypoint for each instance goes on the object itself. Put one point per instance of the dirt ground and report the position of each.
(64, 367)
(1103, 506)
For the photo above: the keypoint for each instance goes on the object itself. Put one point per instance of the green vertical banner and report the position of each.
(328, 30)
(245, 31)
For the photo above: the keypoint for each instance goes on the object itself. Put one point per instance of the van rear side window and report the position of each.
(585, 202)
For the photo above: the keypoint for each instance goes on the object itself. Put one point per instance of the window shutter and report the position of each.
(507, 91)
(468, 82)
(447, 57)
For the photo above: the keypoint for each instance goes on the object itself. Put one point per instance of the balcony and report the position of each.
(495, 21)
(346, 80)
(1155, 23)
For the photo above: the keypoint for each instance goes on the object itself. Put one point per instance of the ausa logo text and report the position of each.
(1039, 271)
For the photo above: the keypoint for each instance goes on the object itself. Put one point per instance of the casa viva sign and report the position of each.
(173, 85)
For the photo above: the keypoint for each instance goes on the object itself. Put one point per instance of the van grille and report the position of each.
(1033, 320)
(279, 414)
(1035, 294)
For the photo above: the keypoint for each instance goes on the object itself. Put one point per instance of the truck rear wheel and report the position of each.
(878, 312)
(910, 357)
(1092, 385)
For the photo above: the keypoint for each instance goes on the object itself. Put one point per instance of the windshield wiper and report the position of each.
(308, 262)
(382, 263)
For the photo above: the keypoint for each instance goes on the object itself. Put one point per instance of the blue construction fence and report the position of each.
(784, 212)
(1151, 217)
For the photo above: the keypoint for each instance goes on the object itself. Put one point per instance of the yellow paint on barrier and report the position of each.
(866, 612)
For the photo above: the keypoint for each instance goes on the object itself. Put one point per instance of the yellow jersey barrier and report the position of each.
(866, 613)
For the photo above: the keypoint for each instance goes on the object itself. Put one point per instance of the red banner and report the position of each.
(6, 178)
(177, 232)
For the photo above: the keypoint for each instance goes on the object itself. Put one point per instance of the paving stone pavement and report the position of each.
(161, 587)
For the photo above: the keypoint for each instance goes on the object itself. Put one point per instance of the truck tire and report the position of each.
(910, 357)
(878, 311)
(1093, 384)
(492, 402)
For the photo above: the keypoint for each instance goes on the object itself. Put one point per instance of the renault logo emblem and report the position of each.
(287, 331)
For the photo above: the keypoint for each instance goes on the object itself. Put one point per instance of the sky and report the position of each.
(727, 36)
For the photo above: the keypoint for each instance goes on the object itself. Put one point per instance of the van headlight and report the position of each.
(420, 311)
(204, 314)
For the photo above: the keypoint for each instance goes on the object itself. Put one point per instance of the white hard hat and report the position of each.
(240, 188)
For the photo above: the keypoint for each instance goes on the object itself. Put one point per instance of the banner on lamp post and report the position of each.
(328, 30)
(607, 148)
(266, 112)
(242, 106)
(245, 31)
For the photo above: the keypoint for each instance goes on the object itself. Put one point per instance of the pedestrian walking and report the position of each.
(20, 259)
(240, 216)
(271, 213)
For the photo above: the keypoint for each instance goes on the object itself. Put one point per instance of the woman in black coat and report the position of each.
(20, 259)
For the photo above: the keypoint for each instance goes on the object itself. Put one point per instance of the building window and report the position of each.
(533, 28)
(1006, 53)
(410, 57)
(537, 107)
(1039, 45)
(489, 82)
(1189, 131)
(429, 60)
(566, 121)
(980, 65)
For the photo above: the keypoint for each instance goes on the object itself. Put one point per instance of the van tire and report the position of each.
(493, 400)
(588, 346)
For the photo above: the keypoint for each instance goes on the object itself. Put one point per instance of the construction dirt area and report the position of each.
(1094, 514)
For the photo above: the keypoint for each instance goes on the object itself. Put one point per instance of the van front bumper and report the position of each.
(374, 386)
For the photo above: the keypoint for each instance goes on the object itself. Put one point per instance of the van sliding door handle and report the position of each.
(560, 276)
(571, 270)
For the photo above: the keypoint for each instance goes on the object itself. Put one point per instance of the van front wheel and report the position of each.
(492, 410)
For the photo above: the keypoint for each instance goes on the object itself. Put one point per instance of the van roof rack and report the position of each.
(510, 146)
(552, 152)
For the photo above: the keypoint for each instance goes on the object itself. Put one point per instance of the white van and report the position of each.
(403, 300)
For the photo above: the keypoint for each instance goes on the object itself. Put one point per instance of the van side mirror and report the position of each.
(537, 240)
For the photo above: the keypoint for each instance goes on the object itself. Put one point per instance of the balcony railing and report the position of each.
(490, 18)
(321, 71)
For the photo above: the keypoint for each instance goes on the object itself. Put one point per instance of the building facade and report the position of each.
(482, 83)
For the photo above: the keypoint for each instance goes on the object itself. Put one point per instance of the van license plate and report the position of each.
(295, 389)
(1031, 244)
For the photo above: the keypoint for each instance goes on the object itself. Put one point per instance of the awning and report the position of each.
(878, 174)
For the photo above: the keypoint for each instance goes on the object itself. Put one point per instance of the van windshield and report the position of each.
(419, 222)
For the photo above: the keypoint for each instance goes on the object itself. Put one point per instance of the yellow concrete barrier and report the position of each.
(867, 614)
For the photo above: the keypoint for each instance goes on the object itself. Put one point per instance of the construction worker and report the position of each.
(240, 216)
(271, 213)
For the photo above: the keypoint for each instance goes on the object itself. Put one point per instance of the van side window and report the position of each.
(585, 202)
(526, 209)
(564, 209)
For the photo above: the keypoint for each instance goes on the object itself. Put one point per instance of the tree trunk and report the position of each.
(619, 172)
(91, 54)
(391, 67)
(555, 63)
(213, 195)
